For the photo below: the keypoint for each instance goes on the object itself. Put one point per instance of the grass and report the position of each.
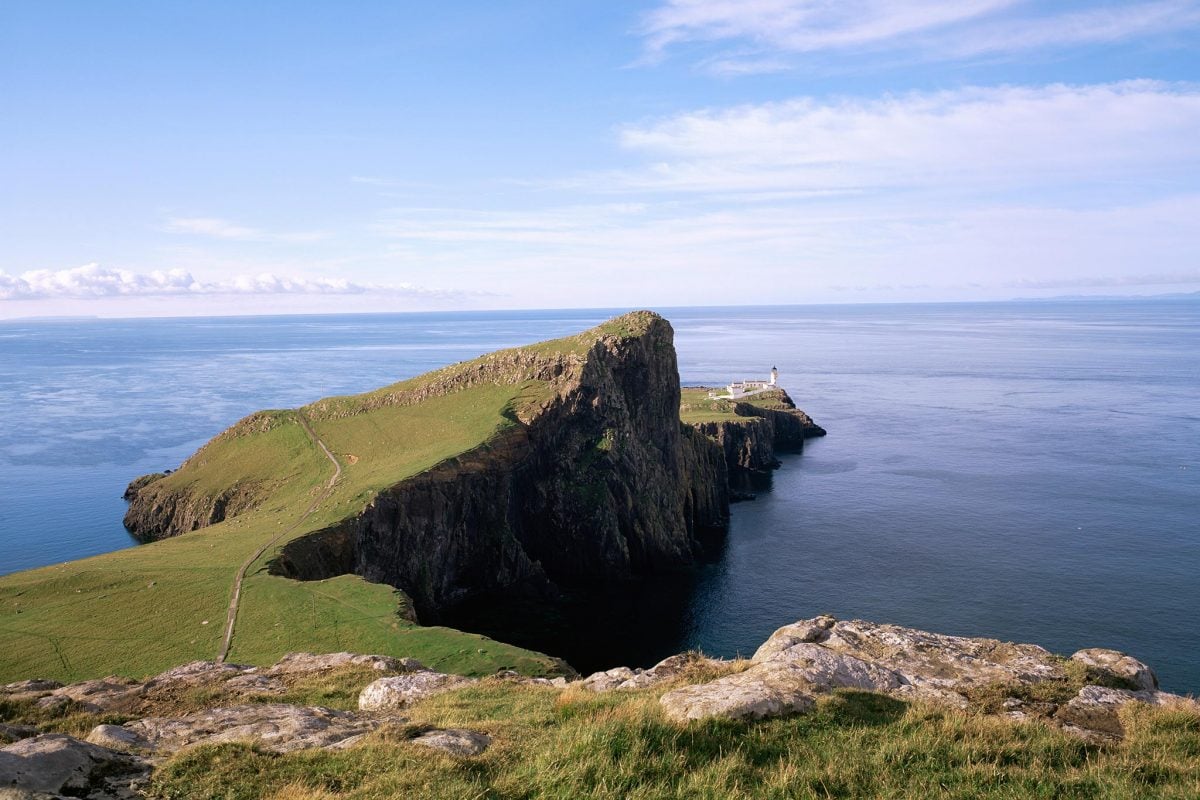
(697, 407)
(551, 744)
(139, 611)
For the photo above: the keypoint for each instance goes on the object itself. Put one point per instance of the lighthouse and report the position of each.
(774, 376)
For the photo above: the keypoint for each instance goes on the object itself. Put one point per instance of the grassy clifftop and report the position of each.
(141, 610)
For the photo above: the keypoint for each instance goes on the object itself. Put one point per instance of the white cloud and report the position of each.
(932, 27)
(1089, 26)
(974, 139)
(766, 252)
(94, 281)
(217, 228)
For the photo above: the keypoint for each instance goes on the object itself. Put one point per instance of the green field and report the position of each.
(697, 407)
(145, 609)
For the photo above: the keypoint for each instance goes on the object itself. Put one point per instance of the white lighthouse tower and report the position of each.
(774, 376)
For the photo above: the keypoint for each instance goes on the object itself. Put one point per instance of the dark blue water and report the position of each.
(1028, 471)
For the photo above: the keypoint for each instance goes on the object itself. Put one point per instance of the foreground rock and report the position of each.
(404, 690)
(818, 655)
(55, 764)
(772, 691)
(455, 741)
(276, 727)
(225, 681)
(668, 669)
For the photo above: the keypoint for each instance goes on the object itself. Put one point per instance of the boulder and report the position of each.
(102, 694)
(625, 678)
(807, 630)
(115, 737)
(28, 690)
(1120, 666)
(825, 669)
(276, 727)
(609, 679)
(403, 690)
(455, 741)
(769, 690)
(58, 764)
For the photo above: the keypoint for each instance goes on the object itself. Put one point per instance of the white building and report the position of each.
(743, 388)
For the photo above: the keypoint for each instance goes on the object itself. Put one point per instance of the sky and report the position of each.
(194, 158)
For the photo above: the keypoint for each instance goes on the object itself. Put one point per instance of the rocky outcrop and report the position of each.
(56, 765)
(226, 682)
(157, 511)
(141, 482)
(815, 656)
(404, 690)
(245, 708)
(669, 669)
(455, 741)
(769, 425)
(277, 727)
(766, 691)
(601, 482)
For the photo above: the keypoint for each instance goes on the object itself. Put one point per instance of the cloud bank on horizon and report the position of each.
(95, 281)
(640, 154)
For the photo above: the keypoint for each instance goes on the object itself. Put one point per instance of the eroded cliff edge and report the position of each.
(598, 480)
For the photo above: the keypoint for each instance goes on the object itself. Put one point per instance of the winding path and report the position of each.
(231, 616)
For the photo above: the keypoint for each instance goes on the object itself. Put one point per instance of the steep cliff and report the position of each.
(751, 431)
(530, 471)
(598, 482)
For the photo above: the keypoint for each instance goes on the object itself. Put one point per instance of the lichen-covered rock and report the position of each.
(307, 663)
(807, 630)
(822, 654)
(608, 679)
(277, 727)
(1095, 711)
(825, 669)
(769, 690)
(1120, 666)
(24, 690)
(949, 662)
(115, 737)
(58, 764)
(403, 690)
(626, 678)
(102, 694)
(455, 741)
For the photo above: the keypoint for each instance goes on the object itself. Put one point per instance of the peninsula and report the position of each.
(339, 525)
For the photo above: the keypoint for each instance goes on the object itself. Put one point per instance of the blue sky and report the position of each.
(268, 157)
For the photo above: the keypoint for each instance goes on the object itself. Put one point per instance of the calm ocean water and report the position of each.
(1029, 471)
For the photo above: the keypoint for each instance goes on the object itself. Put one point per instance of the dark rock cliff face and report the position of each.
(750, 442)
(603, 483)
(156, 513)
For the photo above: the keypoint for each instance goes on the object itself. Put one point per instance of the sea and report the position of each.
(1028, 471)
